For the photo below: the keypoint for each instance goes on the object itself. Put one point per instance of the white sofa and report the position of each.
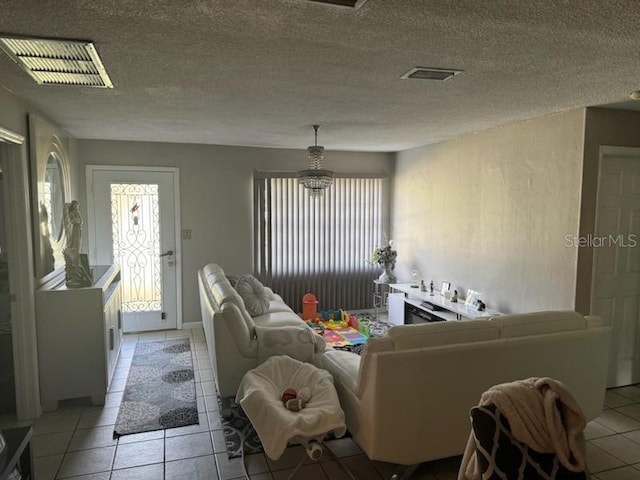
(407, 398)
(238, 342)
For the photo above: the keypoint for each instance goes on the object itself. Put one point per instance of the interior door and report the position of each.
(616, 272)
(134, 223)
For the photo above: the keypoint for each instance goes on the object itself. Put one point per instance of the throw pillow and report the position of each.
(255, 297)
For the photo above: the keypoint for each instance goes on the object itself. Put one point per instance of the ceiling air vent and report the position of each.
(58, 62)
(427, 73)
(342, 3)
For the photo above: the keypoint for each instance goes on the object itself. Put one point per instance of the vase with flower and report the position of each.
(385, 256)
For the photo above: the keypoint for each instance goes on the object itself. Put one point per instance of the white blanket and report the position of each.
(260, 396)
(542, 414)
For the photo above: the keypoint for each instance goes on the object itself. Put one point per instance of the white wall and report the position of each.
(13, 113)
(216, 195)
(490, 211)
(602, 127)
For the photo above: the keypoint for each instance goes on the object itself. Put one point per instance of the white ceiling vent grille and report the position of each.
(58, 62)
(427, 73)
(342, 3)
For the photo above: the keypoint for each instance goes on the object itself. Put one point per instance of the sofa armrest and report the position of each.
(241, 332)
(298, 342)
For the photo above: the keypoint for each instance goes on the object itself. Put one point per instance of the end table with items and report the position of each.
(380, 296)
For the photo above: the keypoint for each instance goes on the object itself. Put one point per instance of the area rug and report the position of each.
(160, 391)
(238, 427)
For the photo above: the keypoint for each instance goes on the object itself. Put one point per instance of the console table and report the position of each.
(79, 336)
(17, 454)
(405, 299)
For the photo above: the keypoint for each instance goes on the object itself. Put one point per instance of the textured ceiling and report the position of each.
(260, 72)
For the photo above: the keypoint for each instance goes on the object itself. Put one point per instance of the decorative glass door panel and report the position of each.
(134, 223)
(136, 245)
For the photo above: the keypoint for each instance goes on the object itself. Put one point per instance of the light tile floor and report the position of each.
(76, 442)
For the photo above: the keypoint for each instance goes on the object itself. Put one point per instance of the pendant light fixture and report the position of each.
(316, 179)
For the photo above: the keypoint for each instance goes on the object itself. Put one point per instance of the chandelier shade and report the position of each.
(316, 178)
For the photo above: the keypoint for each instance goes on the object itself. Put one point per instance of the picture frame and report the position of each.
(446, 286)
(472, 298)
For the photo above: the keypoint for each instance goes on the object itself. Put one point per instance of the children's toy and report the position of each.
(309, 306)
(339, 328)
(295, 404)
(296, 401)
(289, 394)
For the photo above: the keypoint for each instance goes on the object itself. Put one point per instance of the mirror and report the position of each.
(48, 148)
(54, 197)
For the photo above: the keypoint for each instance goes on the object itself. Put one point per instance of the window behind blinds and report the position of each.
(319, 245)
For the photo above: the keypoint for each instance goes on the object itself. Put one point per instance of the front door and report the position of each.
(616, 267)
(135, 225)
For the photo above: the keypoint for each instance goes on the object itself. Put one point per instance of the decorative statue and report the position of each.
(77, 273)
(454, 299)
(481, 306)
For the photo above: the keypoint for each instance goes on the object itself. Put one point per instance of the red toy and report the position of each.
(289, 394)
(309, 306)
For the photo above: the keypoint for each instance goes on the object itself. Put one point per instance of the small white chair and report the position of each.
(260, 396)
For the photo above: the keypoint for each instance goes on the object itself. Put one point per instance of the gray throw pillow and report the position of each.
(255, 297)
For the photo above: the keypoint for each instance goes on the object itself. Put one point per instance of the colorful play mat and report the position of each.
(341, 337)
(340, 329)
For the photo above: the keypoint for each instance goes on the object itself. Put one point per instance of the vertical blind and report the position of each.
(319, 245)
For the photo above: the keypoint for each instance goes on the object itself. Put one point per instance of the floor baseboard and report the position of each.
(190, 325)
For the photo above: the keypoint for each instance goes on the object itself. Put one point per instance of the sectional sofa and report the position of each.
(407, 398)
(245, 323)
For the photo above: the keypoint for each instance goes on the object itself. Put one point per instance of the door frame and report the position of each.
(605, 151)
(21, 280)
(89, 169)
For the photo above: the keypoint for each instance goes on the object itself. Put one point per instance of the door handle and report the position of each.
(167, 254)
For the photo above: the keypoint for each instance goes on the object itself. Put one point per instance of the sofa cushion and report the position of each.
(537, 323)
(279, 306)
(278, 319)
(442, 333)
(344, 366)
(222, 292)
(255, 297)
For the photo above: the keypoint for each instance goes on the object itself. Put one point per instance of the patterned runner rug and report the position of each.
(160, 391)
(237, 426)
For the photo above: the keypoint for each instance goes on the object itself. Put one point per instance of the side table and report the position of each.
(380, 296)
(17, 453)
